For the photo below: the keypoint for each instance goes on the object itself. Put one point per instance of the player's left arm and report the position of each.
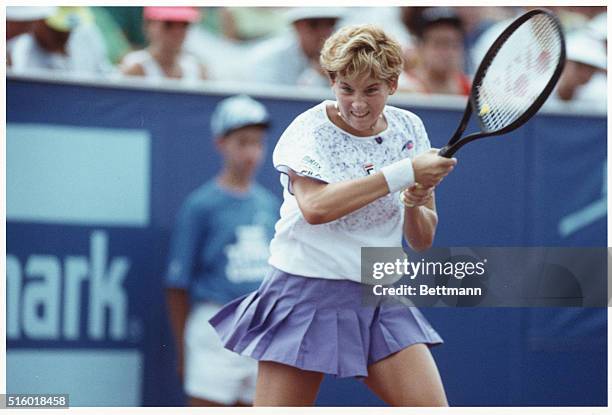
(420, 221)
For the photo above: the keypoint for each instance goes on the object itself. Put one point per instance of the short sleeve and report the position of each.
(422, 139)
(414, 139)
(298, 150)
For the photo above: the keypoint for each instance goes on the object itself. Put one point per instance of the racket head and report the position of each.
(515, 78)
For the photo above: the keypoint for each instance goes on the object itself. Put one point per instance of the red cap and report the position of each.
(172, 14)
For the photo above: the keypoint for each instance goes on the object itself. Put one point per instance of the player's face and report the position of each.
(361, 100)
(243, 149)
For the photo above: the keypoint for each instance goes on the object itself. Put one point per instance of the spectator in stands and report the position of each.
(597, 29)
(476, 20)
(484, 41)
(575, 17)
(19, 20)
(67, 41)
(586, 57)
(572, 18)
(439, 50)
(219, 252)
(116, 43)
(130, 22)
(294, 60)
(389, 18)
(245, 24)
(166, 28)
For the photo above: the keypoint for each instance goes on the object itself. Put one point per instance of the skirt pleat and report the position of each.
(352, 347)
(261, 317)
(317, 355)
(318, 325)
(227, 319)
(390, 336)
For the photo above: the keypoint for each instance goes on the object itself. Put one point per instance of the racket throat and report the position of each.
(447, 151)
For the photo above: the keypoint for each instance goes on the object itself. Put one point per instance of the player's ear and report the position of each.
(392, 86)
(331, 77)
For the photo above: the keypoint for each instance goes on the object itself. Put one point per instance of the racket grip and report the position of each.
(446, 151)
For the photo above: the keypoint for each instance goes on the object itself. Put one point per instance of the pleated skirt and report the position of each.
(319, 325)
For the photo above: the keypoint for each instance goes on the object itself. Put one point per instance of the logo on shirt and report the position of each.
(409, 145)
(308, 162)
(310, 173)
(369, 168)
(310, 167)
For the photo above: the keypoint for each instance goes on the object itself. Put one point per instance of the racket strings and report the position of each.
(519, 72)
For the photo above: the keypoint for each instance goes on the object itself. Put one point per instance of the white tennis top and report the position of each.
(315, 147)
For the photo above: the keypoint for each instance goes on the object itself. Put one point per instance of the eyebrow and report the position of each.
(369, 86)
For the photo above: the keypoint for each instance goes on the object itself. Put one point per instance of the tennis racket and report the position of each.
(515, 77)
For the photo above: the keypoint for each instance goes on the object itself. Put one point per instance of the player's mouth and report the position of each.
(360, 116)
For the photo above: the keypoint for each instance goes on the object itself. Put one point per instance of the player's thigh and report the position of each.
(213, 373)
(409, 377)
(283, 385)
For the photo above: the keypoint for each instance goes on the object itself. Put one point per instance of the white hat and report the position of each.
(237, 112)
(302, 13)
(28, 13)
(584, 49)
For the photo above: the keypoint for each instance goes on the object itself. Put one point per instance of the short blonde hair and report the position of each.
(362, 49)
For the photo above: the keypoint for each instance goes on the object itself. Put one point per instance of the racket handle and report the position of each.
(446, 151)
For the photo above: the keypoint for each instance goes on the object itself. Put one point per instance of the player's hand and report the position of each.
(416, 195)
(429, 168)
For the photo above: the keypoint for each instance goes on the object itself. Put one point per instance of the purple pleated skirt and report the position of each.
(319, 325)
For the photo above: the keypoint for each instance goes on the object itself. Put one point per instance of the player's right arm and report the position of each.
(322, 202)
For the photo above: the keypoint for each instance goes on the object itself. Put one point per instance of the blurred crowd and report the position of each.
(281, 46)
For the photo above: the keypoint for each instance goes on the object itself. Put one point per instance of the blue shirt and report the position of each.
(220, 244)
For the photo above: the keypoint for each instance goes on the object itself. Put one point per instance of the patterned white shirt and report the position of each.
(315, 147)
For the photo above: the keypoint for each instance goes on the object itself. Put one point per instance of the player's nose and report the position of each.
(358, 105)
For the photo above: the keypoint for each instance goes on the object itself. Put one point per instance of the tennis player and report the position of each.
(343, 164)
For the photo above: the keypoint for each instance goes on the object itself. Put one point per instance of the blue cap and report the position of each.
(237, 112)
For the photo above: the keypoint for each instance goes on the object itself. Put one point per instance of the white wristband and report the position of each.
(398, 175)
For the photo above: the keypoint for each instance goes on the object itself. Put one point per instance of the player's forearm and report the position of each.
(420, 226)
(178, 308)
(326, 203)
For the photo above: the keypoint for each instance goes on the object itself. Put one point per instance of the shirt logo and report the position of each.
(308, 162)
(310, 167)
(369, 168)
(409, 145)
